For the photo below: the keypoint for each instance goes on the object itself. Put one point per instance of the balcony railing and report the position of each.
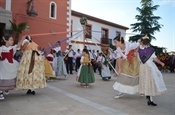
(104, 40)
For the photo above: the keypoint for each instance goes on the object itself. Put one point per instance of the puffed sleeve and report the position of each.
(134, 45)
(119, 53)
(153, 55)
(15, 48)
(82, 58)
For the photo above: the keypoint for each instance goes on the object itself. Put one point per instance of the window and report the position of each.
(53, 10)
(89, 31)
(110, 41)
(104, 33)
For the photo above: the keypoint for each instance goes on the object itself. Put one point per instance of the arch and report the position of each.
(53, 10)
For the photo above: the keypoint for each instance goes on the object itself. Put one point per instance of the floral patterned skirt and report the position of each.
(35, 79)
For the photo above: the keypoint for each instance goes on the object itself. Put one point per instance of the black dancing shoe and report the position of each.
(151, 103)
(29, 91)
(33, 92)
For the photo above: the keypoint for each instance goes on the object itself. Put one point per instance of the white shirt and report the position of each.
(70, 54)
(94, 55)
(57, 49)
(78, 54)
(100, 58)
(129, 46)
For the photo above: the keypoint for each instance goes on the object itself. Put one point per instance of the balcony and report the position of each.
(104, 40)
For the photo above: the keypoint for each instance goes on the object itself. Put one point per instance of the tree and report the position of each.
(17, 29)
(147, 22)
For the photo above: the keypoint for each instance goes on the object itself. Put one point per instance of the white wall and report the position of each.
(97, 35)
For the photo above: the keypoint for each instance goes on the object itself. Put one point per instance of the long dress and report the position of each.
(151, 82)
(85, 72)
(49, 72)
(31, 73)
(105, 73)
(128, 81)
(8, 68)
(59, 64)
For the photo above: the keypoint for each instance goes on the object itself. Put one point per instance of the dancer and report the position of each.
(85, 72)
(60, 67)
(151, 82)
(8, 65)
(30, 73)
(127, 67)
(48, 64)
(105, 72)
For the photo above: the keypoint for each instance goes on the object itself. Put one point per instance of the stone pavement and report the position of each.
(67, 97)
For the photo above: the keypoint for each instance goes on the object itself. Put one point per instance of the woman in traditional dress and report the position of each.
(8, 66)
(151, 82)
(30, 73)
(127, 67)
(60, 67)
(85, 72)
(105, 73)
(48, 63)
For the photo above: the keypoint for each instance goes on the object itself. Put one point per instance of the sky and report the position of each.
(123, 12)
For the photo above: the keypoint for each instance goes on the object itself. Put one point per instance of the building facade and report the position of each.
(52, 16)
(99, 33)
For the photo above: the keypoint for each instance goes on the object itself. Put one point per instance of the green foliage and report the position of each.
(17, 29)
(147, 22)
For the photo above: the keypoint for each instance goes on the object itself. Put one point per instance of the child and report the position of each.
(8, 65)
(48, 63)
(85, 72)
(105, 72)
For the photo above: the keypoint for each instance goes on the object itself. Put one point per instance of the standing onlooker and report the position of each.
(78, 57)
(172, 63)
(69, 62)
(74, 61)
(94, 60)
(99, 61)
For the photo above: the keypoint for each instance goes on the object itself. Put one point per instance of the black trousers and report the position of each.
(69, 65)
(172, 68)
(94, 64)
(77, 63)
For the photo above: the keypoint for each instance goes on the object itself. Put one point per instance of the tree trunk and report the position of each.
(16, 39)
